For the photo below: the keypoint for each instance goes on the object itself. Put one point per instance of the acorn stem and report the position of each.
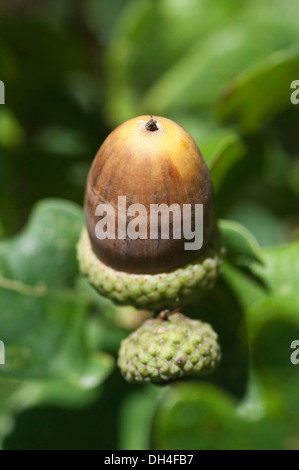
(164, 315)
(151, 125)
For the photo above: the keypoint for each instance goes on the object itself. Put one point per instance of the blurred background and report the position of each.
(73, 70)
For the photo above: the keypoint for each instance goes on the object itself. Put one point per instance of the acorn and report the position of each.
(151, 239)
(169, 347)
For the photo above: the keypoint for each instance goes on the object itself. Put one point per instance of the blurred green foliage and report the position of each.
(73, 70)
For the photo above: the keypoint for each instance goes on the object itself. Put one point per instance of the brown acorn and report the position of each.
(148, 161)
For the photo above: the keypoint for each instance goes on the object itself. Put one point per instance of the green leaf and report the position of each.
(203, 417)
(228, 151)
(43, 321)
(61, 141)
(136, 418)
(42, 318)
(241, 246)
(216, 43)
(273, 324)
(260, 93)
(11, 132)
(280, 299)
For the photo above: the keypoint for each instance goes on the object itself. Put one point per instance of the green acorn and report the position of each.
(149, 161)
(169, 348)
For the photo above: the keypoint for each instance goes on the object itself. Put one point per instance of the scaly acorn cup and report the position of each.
(136, 248)
(165, 349)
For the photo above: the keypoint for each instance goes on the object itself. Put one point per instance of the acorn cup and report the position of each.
(151, 239)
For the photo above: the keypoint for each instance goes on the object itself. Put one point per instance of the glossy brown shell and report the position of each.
(148, 167)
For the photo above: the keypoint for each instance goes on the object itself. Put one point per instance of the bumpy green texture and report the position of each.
(157, 291)
(164, 350)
